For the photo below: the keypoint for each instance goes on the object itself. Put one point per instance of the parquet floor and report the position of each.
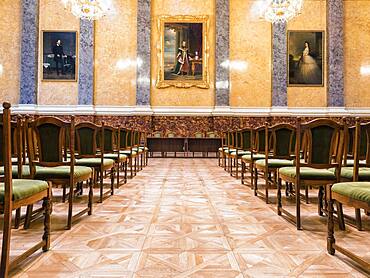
(188, 218)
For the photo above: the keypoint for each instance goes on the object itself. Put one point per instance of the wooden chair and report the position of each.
(257, 152)
(15, 194)
(360, 169)
(355, 194)
(111, 150)
(88, 155)
(224, 146)
(243, 147)
(322, 142)
(47, 163)
(128, 150)
(277, 155)
(138, 149)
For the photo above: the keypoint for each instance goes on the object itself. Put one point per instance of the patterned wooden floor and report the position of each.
(188, 218)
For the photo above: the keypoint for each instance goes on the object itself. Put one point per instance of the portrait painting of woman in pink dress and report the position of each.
(305, 61)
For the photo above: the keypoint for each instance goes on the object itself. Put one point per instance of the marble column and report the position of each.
(143, 53)
(86, 63)
(335, 53)
(222, 53)
(29, 52)
(279, 65)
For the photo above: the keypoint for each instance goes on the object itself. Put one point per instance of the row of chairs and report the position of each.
(39, 154)
(332, 157)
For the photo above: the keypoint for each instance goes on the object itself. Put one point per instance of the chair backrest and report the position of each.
(246, 139)
(281, 138)
(361, 146)
(129, 138)
(259, 142)
(50, 133)
(86, 139)
(137, 137)
(123, 139)
(325, 141)
(110, 137)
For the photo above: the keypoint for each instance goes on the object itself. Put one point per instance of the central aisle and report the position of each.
(181, 218)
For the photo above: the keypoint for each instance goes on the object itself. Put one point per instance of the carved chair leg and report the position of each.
(27, 220)
(17, 218)
(237, 168)
(298, 206)
(90, 200)
(267, 185)
(255, 181)
(358, 219)
(243, 171)
(320, 204)
(47, 222)
(330, 222)
(340, 216)
(70, 206)
(101, 183)
(279, 204)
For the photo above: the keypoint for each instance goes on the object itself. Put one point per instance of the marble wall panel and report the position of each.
(115, 56)
(53, 17)
(357, 57)
(177, 96)
(250, 56)
(313, 17)
(279, 65)
(10, 49)
(222, 52)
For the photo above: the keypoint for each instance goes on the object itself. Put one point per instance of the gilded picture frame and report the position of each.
(197, 74)
(306, 58)
(68, 64)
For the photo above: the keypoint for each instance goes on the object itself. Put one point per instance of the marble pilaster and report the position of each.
(335, 53)
(279, 65)
(143, 53)
(86, 63)
(222, 53)
(29, 52)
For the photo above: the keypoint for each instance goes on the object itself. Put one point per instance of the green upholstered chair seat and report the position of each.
(229, 150)
(122, 157)
(222, 148)
(95, 162)
(144, 148)
(128, 153)
(355, 190)
(257, 156)
(347, 173)
(240, 153)
(308, 173)
(62, 172)
(15, 160)
(138, 150)
(24, 188)
(351, 162)
(275, 163)
(25, 171)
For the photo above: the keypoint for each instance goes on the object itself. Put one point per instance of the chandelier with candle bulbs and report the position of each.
(89, 9)
(280, 11)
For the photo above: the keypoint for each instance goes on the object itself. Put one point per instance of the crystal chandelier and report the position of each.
(89, 9)
(280, 11)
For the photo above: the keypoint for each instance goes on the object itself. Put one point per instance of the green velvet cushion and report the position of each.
(24, 188)
(256, 156)
(222, 148)
(128, 153)
(229, 150)
(240, 153)
(138, 150)
(351, 162)
(363, 173)
(25, 171)
(275, 162)
(114, 156)
(144, 148)
(355, 190)
(62, 172)
(308, 173)
(95, 162)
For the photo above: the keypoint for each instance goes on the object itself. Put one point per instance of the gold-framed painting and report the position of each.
(183, 52)
(59, 55)
(306, 58)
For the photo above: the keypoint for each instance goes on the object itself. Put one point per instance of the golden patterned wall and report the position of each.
(357, 54)
(313, 17)
(175, 96)
(10, 47)
(54, 17)
(115, 56)
(250, 56)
